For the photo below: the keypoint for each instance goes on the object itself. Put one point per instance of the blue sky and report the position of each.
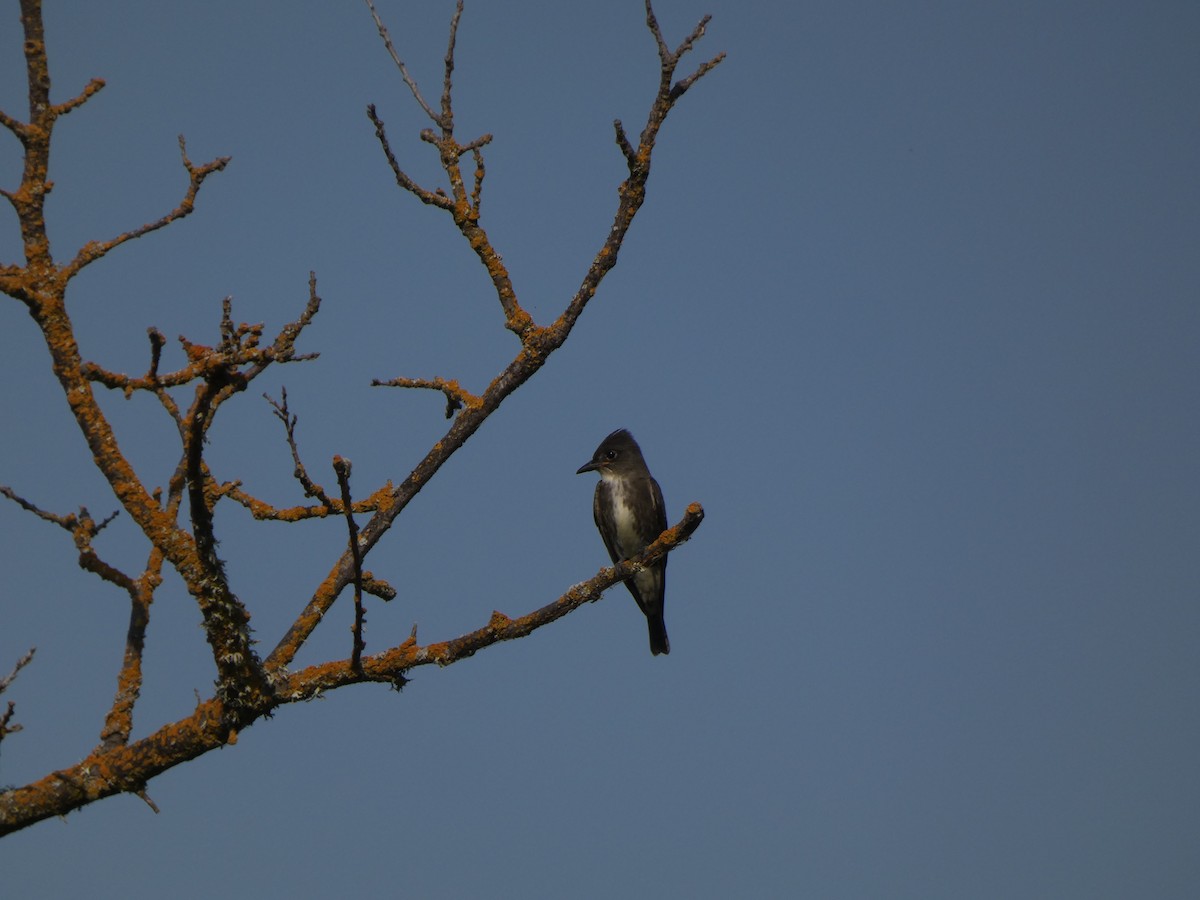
(911, 310)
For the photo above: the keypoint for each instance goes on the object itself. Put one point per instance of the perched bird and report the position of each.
(629, 511)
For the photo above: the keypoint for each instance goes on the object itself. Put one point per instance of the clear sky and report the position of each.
(913, 310)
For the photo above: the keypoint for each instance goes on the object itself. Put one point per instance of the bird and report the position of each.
(629, 512)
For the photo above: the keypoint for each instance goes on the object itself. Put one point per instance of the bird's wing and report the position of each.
(607, 529)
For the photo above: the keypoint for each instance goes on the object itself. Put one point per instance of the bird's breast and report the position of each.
(629, 538)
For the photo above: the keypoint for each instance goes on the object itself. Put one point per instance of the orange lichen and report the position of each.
(248, 690)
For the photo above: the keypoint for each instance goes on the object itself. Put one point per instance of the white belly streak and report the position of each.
(628, 540)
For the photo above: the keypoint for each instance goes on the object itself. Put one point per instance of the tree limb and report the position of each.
(249, 688)
(127, 768)
(537, 343)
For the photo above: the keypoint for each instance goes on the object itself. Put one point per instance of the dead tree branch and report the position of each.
(341, 466)
(126, 769)
(7, 725)
(249, 688)
(537, 342)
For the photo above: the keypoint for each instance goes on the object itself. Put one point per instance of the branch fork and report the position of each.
(247, 687)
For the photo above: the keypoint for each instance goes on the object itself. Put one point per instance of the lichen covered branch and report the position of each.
(193, 394)
(127, 768)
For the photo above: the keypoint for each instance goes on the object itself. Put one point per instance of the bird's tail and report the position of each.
(658, 634)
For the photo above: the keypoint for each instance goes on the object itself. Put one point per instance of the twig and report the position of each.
(456, 396)
(289, 420)
(94, 250)
(21, 663)
(341, 466)
(67, 522)
(83, 528)
(432, 198)
(391, 49)
(5, 727)
(145, 798)
(118, 723)
(447, 121)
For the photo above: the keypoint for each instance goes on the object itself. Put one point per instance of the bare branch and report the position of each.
(94, 250)
(537, 343)
(240, 346)
(456, 396)
(480, 172)
(341, 466)
(249, 689)
(118, 724)
(623, 142)
(670, 59)
(447, 121)
(67, 522)
(128, 768)
(377, 587)
(92, 88)
(20, 664)
(90, 561)
(264, 511)
(632, 191)
(83, 529)
(311, 488)
(7, 726)
(17, 127)
(243, 682)
(397, 661)
(145, 798)
(432, 198)
(391, 49)
(283, 348)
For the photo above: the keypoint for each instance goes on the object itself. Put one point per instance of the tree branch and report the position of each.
(311, 488)
(536, 343)
(391, 49)
(94, 250)
(126, 769)
(341, 466)
(456, 396)
(248, 688)
(20, 664)
(5, 727)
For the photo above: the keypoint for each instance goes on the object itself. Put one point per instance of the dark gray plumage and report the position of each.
(629, 511)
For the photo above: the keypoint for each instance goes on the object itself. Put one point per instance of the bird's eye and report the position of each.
(611, 454)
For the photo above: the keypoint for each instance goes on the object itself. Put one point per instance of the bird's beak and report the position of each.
(589, 466)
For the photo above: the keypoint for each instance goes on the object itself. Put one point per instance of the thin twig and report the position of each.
(145, 798)
(289, 420)
(341, 466)
(447, 121)
(391, 49)
(20, 664)
(7, 726)
(67, 522)
(94, 250)
(432, 198)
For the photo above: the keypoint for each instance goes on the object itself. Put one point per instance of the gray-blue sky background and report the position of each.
(912, 309)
